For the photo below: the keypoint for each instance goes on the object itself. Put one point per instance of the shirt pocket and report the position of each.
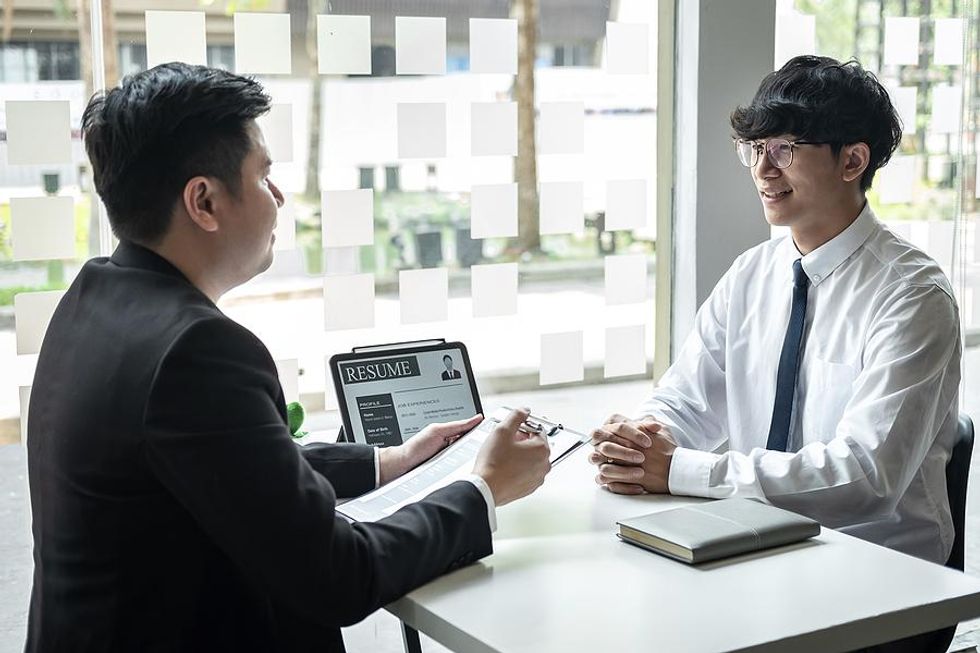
(829, 389)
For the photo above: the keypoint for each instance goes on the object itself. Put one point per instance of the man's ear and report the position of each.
(199, 202)
(855, 158)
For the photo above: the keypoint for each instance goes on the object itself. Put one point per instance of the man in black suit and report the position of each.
(450, 373)
(172, 511)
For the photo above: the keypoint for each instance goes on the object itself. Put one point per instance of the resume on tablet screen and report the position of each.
(391, 398)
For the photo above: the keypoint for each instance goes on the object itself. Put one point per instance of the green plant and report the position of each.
(7, 294)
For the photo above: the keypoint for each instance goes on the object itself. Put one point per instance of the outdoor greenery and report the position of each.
(53, 274)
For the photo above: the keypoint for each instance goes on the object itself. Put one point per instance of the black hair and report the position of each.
(821, 99)
(159, 128)
(449, 357)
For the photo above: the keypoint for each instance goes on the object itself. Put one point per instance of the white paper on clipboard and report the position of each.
(450, 465)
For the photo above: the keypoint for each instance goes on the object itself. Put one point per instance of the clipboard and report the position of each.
(452, 464)
(388, 392)
(562, 440)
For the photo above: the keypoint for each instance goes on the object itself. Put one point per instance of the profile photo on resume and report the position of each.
(450, 373)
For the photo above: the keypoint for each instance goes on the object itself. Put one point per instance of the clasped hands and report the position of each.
(633, 456)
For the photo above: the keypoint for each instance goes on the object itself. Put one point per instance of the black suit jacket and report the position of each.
(447, 377)
(172, 510)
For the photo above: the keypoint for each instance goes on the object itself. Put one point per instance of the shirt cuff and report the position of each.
(690, 472)
(377, 467)
(484, 489)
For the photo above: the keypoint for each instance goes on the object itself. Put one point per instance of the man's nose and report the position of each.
(277, 194)
(764, 169)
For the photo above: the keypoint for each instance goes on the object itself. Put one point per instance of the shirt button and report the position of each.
(816, 277)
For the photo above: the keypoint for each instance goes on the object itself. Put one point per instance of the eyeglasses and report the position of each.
(779, 151)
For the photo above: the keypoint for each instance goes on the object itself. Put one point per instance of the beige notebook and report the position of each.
(716, 529)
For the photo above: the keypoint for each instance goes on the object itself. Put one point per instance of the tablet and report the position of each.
(389, 393)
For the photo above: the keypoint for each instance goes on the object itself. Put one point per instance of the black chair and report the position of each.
(957, 475)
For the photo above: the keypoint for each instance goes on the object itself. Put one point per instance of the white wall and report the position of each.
(724, 49)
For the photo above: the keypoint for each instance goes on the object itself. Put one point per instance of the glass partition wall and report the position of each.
(480, 171)
(49, 213)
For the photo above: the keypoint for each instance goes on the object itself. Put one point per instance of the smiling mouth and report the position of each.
(775, 195)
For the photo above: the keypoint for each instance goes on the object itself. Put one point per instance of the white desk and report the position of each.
(559, 580)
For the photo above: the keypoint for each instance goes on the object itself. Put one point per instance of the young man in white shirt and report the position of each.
(828, 361)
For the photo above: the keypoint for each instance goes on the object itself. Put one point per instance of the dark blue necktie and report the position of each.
(789, 363)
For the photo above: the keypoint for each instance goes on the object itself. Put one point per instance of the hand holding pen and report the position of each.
(512, 461)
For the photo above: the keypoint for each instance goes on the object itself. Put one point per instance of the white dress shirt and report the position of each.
(876, 401)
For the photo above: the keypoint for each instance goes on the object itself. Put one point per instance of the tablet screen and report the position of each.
(390, 397)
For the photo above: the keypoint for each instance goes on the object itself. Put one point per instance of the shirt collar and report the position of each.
(131, 255)
(821, 262)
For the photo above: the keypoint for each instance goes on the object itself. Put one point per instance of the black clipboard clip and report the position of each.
(398, 345)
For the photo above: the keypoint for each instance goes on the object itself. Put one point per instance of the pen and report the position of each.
(531, 427)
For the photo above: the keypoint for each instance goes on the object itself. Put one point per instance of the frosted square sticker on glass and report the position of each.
(561, 358)
(627, 48)
(344, 44)
(626, 204)
(905, 99)
(38, 131)
(493, 45)
(24, 393)
(347, 217)
(561, 128)
(796, 34)
(625, 351)
(493, 127)
(420, 45)
(175, 36)
(277, 129)
(421, 130)
(288, 371)
(626, 279)
(902, 229)
(901, 41)
(946, 106)
(262, 44)
(43, 228)
(919, 234)
(32, 313)
(896, 180)
(494, 289)
(493, 211)
(941, 242)
(348, 301)
(424, 295)
(948, 40)
(562, 208)
(285, 231)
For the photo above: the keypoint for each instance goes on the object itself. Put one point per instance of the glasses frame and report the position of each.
(759, 146)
